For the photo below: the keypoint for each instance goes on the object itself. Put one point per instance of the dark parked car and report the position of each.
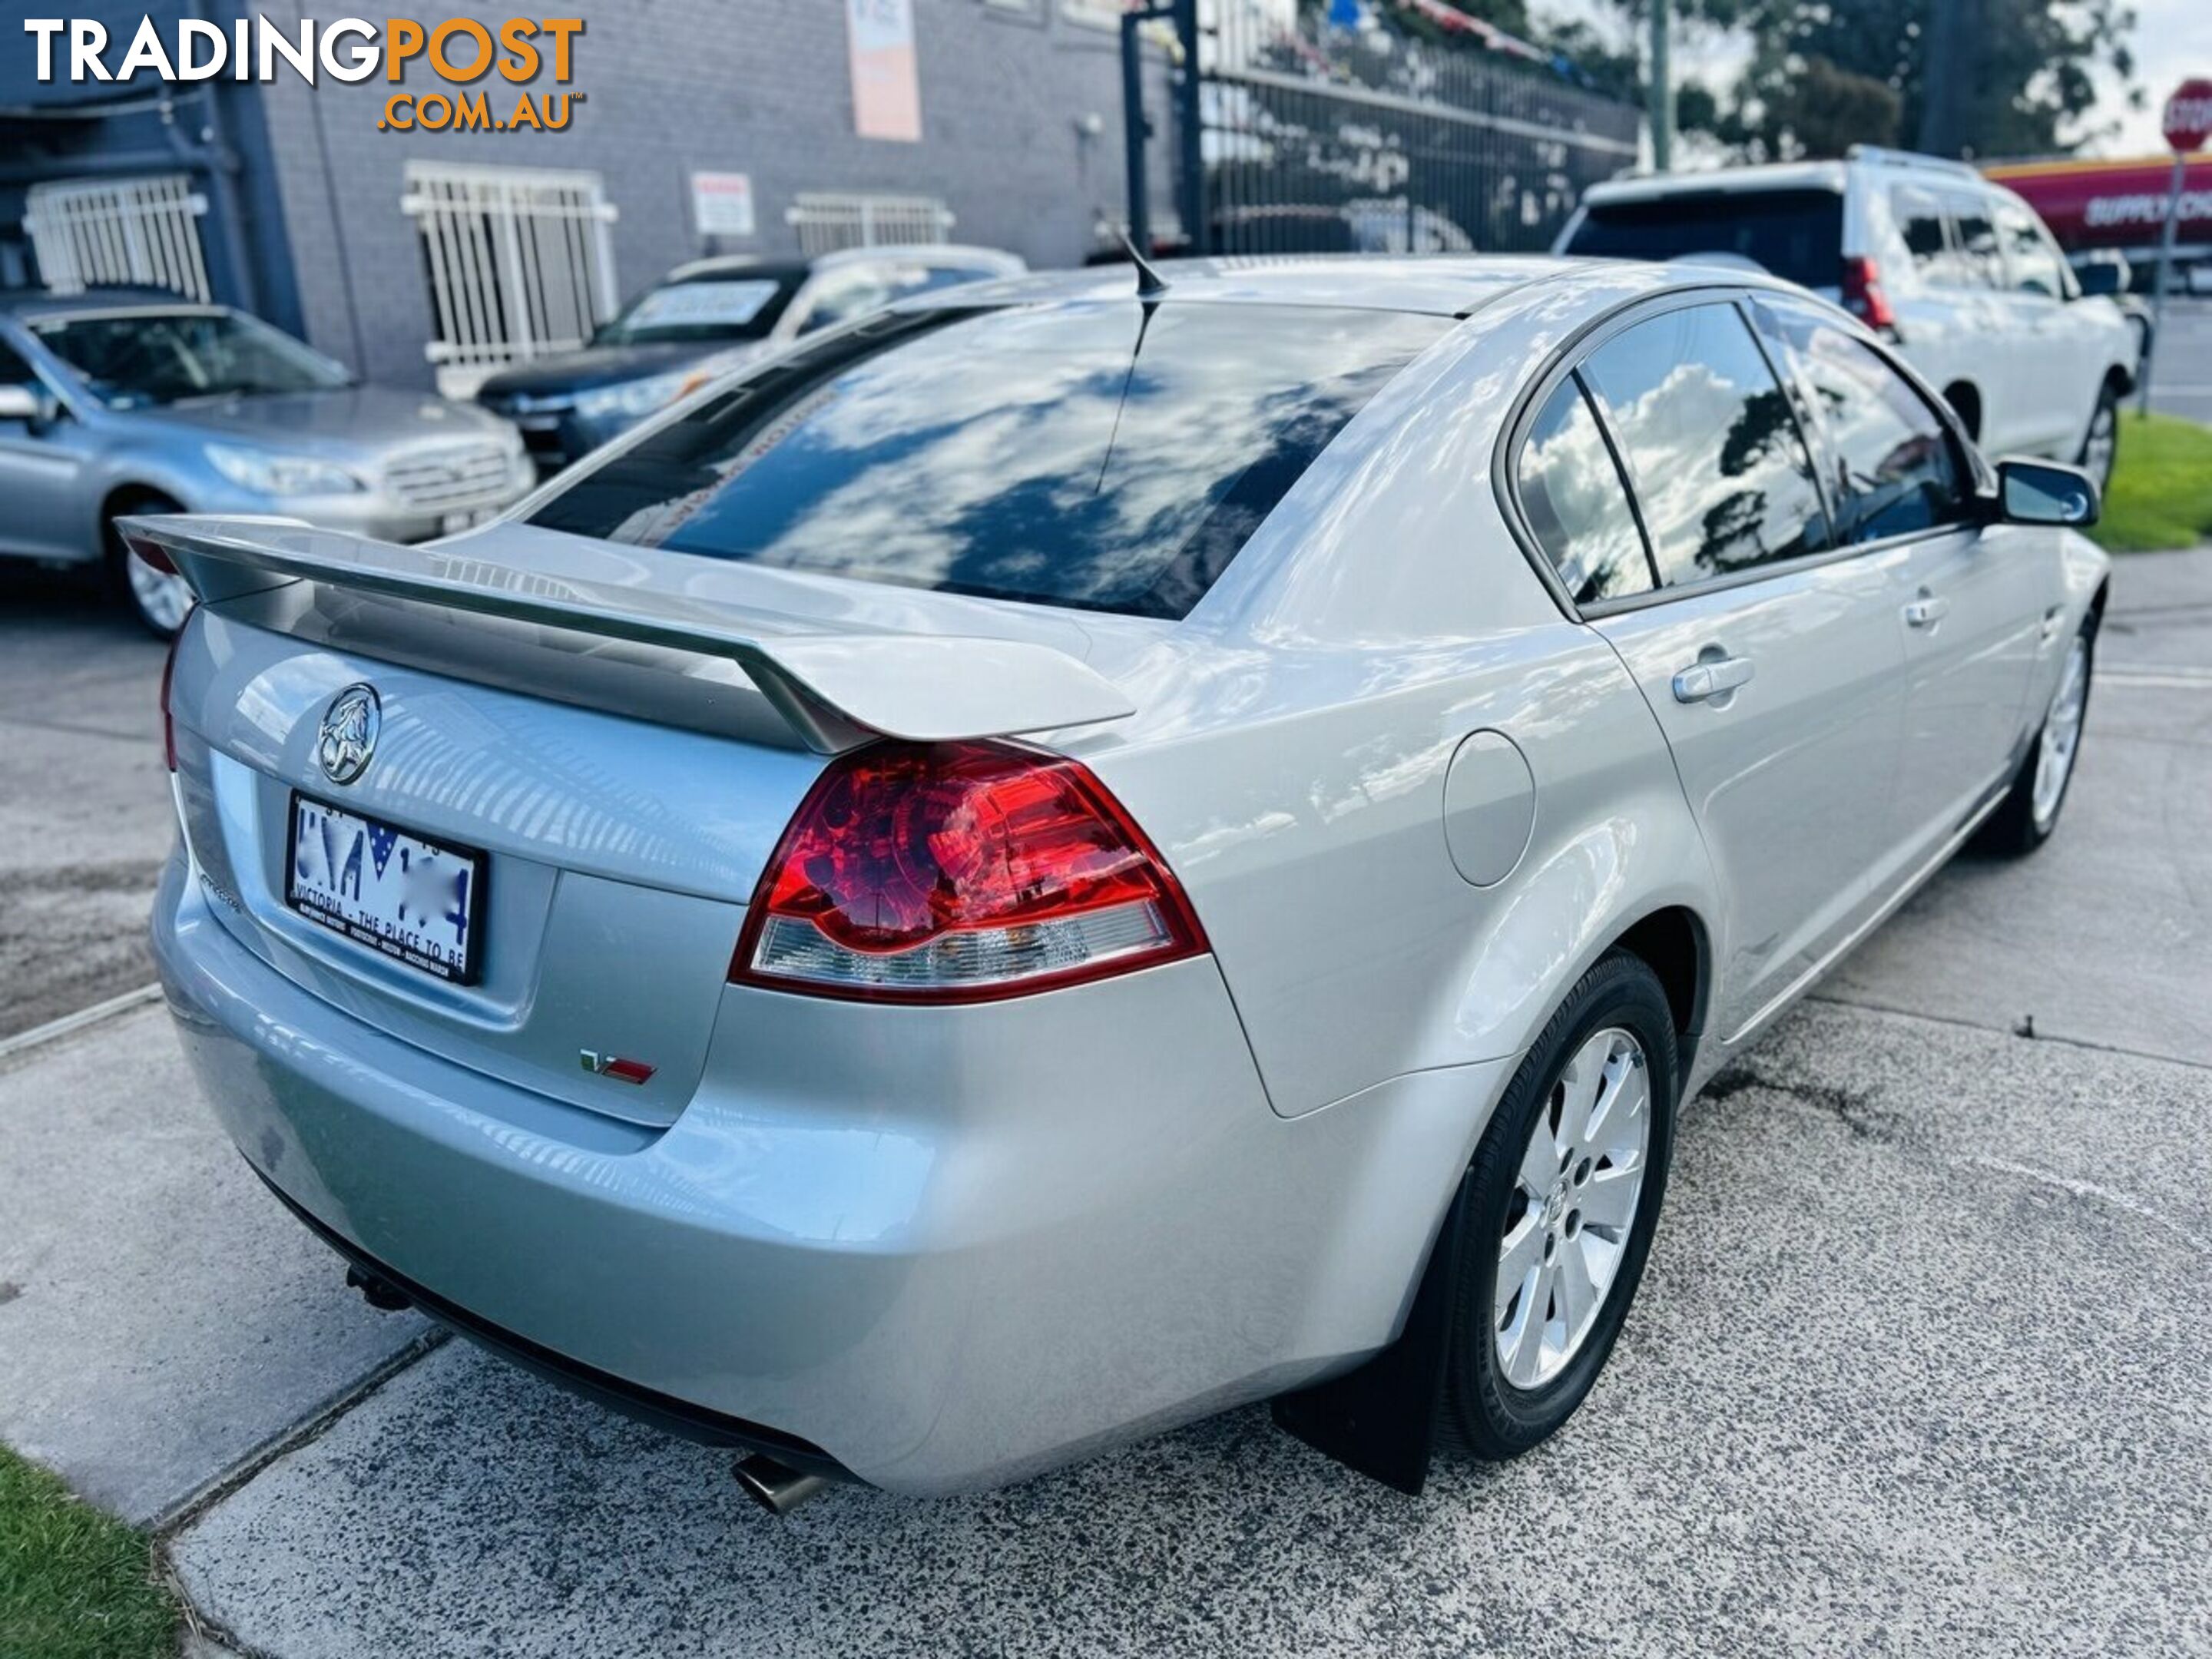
(704, 319)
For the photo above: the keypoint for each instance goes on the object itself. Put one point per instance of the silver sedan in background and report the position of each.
(114, 402)
(1089, 848)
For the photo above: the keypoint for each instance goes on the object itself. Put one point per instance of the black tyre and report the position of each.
(1563, 1198)
(2100, 445)
(160, 600)
(2031, 807)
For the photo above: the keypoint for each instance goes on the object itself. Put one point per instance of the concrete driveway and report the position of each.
(1923, 1364)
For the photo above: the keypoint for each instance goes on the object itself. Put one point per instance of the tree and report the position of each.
(2010, 77)
(1968, 77)
(1817, 110)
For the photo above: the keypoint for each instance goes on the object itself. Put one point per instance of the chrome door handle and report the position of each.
(1927, 610)
(1714, 678)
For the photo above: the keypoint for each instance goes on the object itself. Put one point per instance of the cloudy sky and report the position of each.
(2173, 40)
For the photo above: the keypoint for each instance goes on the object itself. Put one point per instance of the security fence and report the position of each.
(827, 221)
(1316, 137)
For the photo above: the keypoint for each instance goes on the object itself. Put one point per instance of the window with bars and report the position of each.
(142, 232)
(828, 219)
(520, 263)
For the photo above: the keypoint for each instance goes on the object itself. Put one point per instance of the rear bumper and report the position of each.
(662, 1412)
(945, 1249)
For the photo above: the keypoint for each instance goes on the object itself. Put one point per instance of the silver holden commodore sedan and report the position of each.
(1078, 852)
(119, 402)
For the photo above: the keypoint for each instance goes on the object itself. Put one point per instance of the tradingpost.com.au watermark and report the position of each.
(460, 51)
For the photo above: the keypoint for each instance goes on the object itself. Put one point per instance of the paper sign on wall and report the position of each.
(886, 90)
(722, 203)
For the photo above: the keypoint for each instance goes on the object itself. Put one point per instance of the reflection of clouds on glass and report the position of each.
(1723, 480)
(1576, 503)
(1029, 454)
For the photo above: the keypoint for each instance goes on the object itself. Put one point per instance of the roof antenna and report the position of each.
(1150, 285)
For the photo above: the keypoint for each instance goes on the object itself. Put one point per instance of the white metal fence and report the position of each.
(142, 231)
(827, 221)
(521, 263)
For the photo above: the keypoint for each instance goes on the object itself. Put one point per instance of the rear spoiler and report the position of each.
(837, 688)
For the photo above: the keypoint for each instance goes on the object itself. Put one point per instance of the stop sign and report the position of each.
(2188, 120)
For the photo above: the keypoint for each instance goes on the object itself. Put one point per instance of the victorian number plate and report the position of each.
(416, 900)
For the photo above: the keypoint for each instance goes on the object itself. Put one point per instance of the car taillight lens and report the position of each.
(956, 873)
(1863, 293)
(169, 721)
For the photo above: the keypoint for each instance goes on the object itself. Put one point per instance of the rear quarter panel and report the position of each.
(1313, 845)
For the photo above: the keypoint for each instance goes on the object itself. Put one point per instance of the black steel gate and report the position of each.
(1294, 135)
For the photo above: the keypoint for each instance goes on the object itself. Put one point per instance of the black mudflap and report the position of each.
(1381, 1420)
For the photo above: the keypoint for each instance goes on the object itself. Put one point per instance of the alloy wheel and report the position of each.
(1573, 1205)
(2102, 445)
(2061, 734)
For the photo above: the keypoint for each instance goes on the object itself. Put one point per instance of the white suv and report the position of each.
(1957, 271)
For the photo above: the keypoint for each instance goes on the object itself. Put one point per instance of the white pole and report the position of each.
(2158, 287)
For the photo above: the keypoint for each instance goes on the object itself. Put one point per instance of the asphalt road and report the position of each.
(2181, 373)
(84, 809)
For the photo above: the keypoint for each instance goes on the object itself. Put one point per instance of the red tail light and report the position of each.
(168, 721)
(156, 554)
(1862, 295)
(959, 872)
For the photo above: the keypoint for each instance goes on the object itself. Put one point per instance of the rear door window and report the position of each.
(1109, 456)
(1978, 261)
(1896, 467)
(2033, 262)
(1576, 501)
(1718, 463)
(1919, 219)
(1795, 234)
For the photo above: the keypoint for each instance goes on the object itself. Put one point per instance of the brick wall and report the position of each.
(758, 87)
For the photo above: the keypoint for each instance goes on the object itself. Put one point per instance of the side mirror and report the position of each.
(2101, 279)
(31, 404)
(2043, 492)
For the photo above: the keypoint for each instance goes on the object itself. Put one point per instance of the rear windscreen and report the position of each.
(1797, 235)
(1109, 456)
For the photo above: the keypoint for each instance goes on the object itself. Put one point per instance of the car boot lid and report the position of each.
(838, 685)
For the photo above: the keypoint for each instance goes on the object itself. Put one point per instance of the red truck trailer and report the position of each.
(2120, 205)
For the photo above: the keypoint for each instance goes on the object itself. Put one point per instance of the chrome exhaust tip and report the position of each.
(775, 1487)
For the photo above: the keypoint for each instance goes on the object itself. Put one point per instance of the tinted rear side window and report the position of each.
(1576, 503)
(1795, 234)
(1720, 468)
(1107, 456)
(1920, 222)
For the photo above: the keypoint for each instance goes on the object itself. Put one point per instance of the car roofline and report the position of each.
(30, 316)
(804, 265)
(1204, 281)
